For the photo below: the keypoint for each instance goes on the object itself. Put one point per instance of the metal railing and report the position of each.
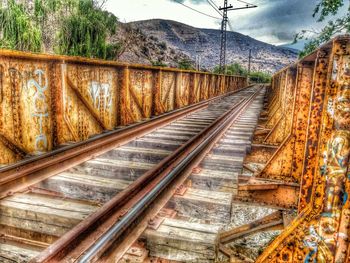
(47, 100)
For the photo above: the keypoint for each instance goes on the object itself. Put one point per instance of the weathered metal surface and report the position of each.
(74, 243)
(320, 232)
(281, 121)
(47, 101)
(21, 175)
(287, 162)
(267, 192)
(272, 221)
(44, 198)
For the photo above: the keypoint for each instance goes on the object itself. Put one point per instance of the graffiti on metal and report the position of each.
(47, 101)
(320, 231)
(41, 108)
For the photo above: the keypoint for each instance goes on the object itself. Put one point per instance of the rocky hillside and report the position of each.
(141, 48)
(169, 41)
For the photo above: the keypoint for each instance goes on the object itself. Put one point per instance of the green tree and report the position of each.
(237, 69)
(260, 77)
(85, 32)
(323, 10)
(18, 29)
(158, 63)
(185, 64)
(233, 69)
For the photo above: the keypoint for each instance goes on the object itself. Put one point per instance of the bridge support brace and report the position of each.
(268, 192)
(319, 161)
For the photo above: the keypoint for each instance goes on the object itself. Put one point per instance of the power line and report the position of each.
(223, 38)
(216, 8)
(244, 2)
(224, 23)
(212, 4)
(200, 12)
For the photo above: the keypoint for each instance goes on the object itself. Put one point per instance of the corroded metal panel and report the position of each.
(88, 101)
(212, 86)
(166, 93)
(183, 90)
(25, 117)
(275, 113)
(138, 96)
(47, 101)
(205, 86)
(320, 232)
(282, 127)
(314, 127)
(287, 162)
(97, 86)
(196, 88)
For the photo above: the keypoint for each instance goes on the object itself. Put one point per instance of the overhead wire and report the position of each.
(214, 6)
(246, 3)
(195, 10)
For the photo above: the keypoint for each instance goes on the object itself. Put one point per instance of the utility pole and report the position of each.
(249, 60)
(223, 38)
(224, 10)
(198, 59)
(249, 63)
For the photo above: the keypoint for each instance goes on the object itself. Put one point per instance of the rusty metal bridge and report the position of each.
(109, 162)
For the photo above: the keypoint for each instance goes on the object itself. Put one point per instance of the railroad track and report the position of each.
(71, 205)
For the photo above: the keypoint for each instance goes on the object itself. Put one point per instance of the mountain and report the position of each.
(169, 41)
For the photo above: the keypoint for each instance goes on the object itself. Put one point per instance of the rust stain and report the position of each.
(320, 160)
(48, 100)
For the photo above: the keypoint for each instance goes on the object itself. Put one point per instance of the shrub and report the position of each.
(18, 29)
(84, 33)
(260, 77)
(185, 64)
(158, 64)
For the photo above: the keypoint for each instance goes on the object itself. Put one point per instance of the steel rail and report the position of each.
(74, 237)
(116, 230)
(32, 170)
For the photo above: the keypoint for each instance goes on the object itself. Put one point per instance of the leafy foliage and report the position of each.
(185, 64)
(158, 64)
(327, 7)
(324, 9)
(233, 69)
(18, 30)
(85, 32)
(260, 77)
(84, 29)
(237, 69)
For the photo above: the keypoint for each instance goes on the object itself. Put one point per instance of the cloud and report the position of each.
(277, 21)
(273, 21)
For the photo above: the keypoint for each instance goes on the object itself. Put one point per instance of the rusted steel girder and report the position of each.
(83, 237)
(286, 163)
(273, 221)
(320, 233)
(47, 101)
(23, 174)
(278, 117)
(281, 121)
(267, 192)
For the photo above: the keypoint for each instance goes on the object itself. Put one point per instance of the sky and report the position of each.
(273, 21)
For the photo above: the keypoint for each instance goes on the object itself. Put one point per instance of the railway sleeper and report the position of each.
(208, 206)
(47, 210)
